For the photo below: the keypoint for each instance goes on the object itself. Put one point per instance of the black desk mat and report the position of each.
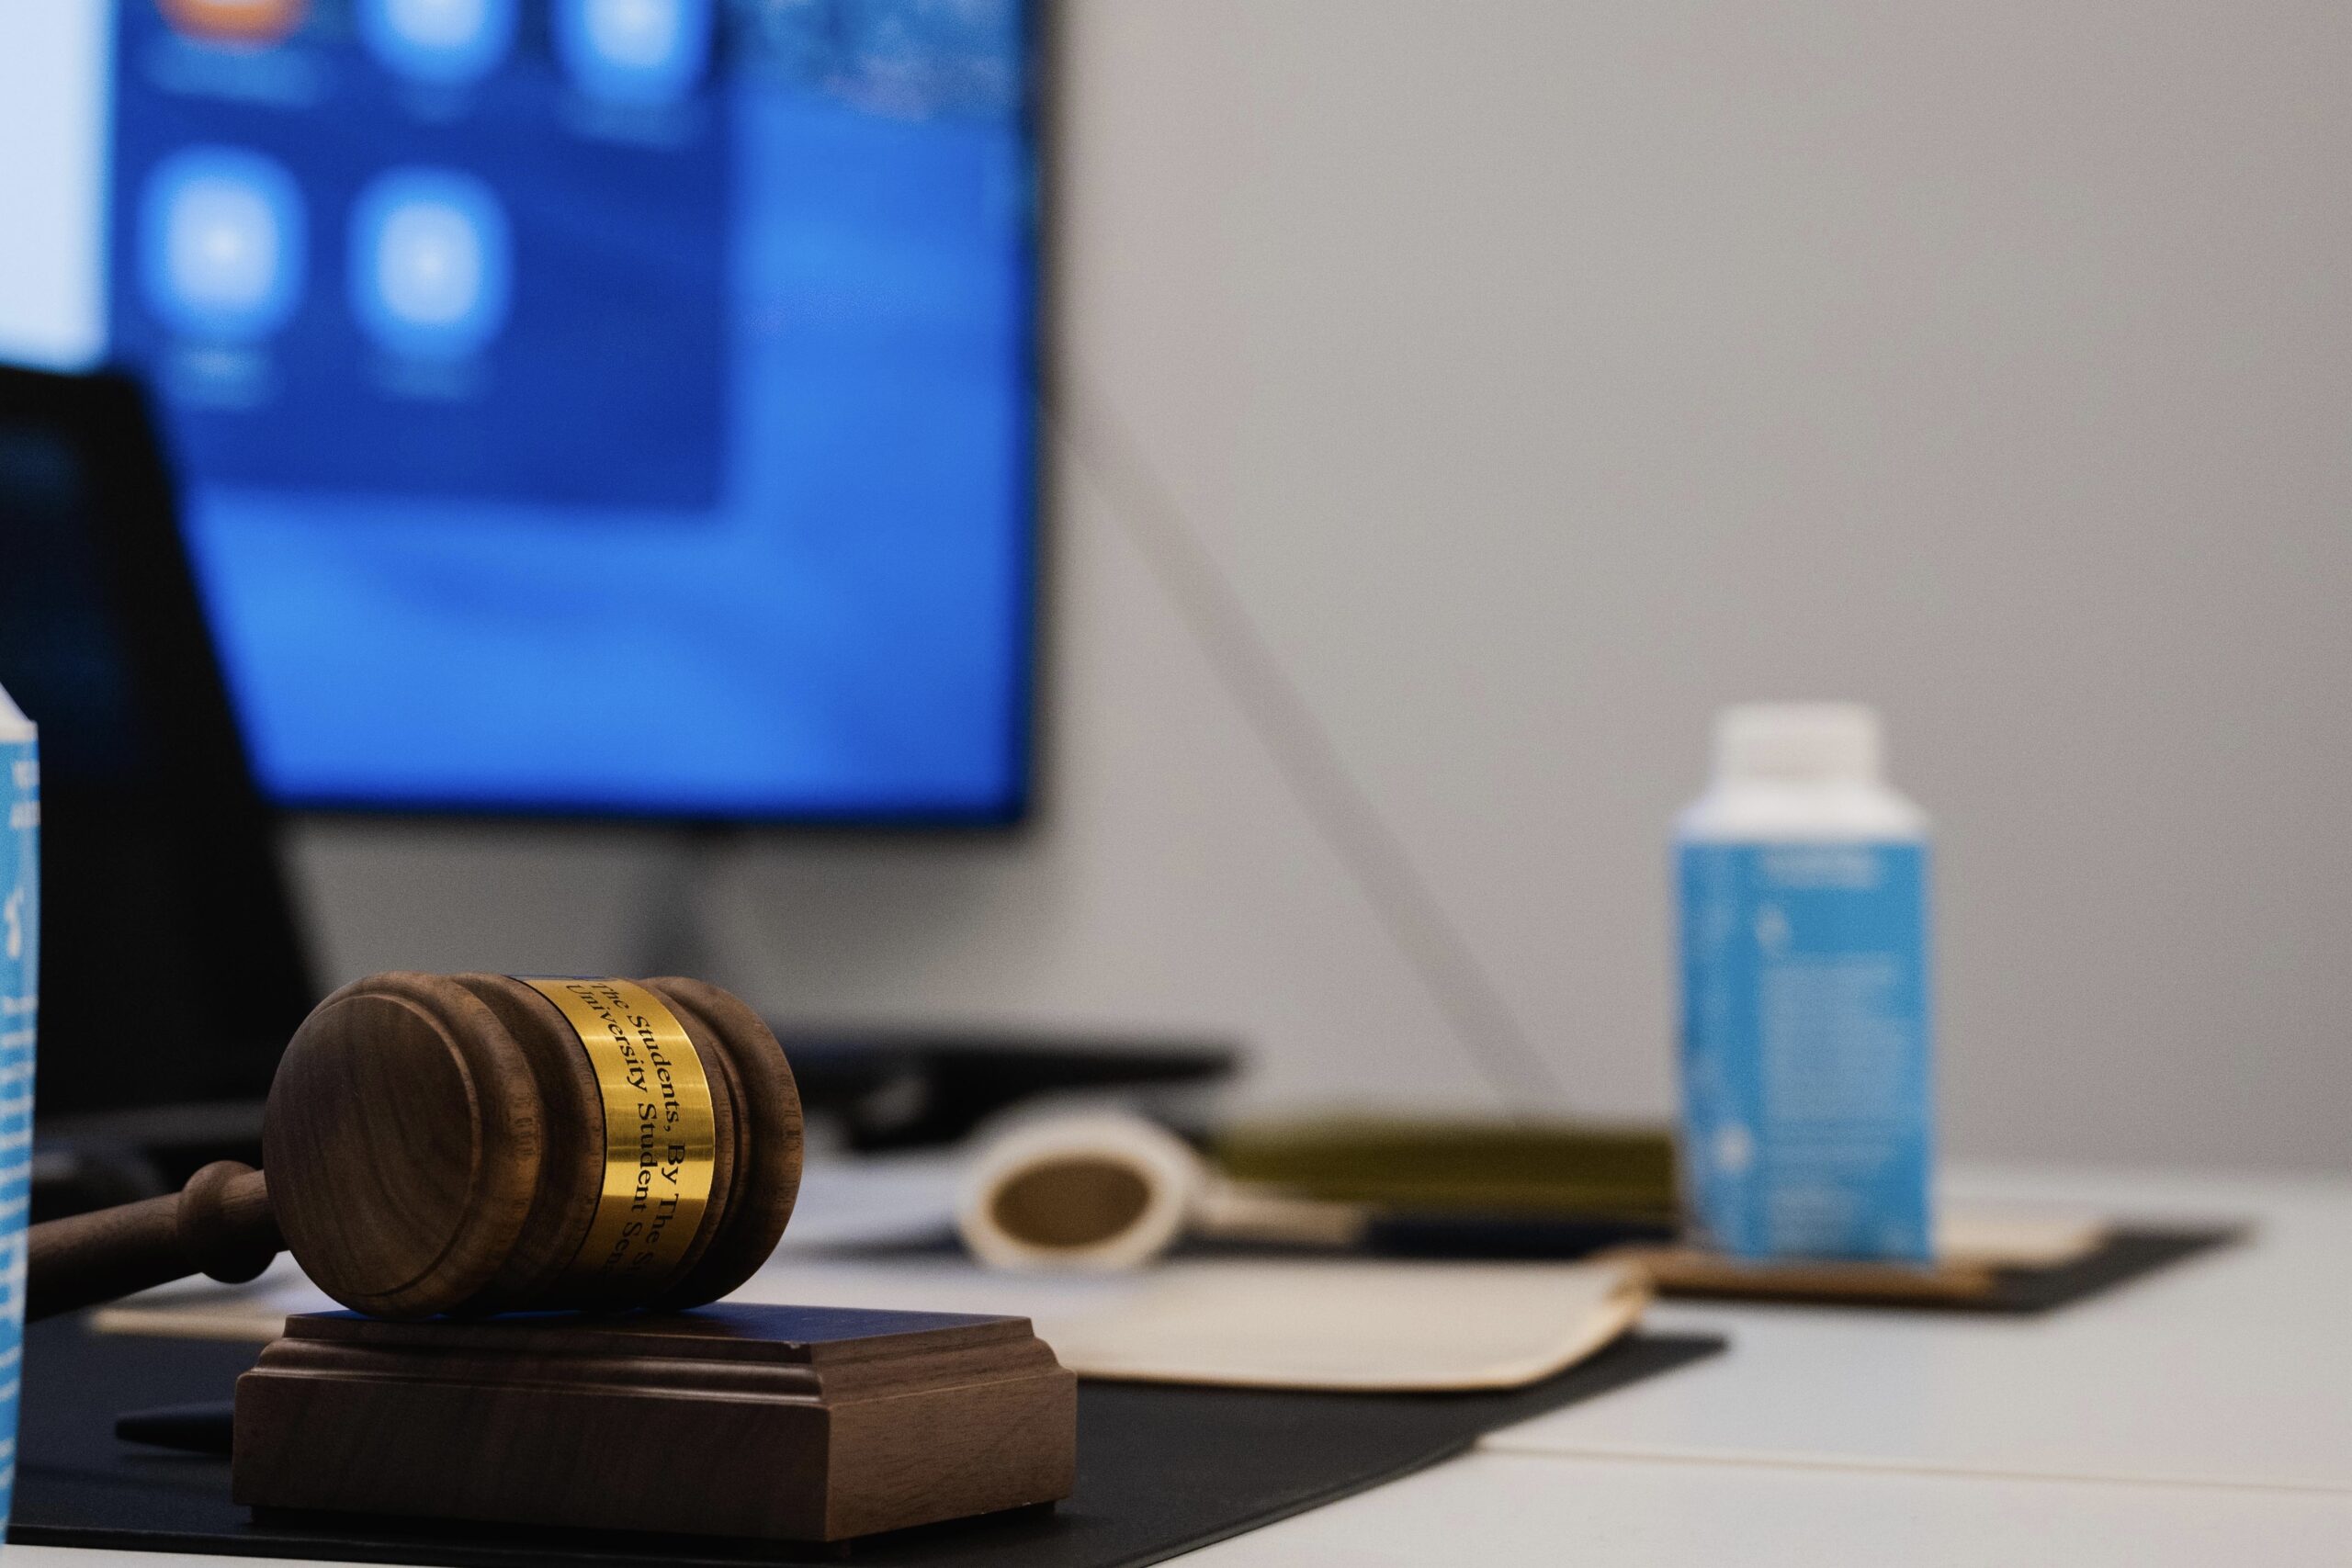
(2129, 1253)
(1160, 1470)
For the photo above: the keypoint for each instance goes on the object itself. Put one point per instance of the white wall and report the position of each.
(1543, 374)
(54, 57)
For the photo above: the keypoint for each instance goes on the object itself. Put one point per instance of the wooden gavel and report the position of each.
(473, 1143)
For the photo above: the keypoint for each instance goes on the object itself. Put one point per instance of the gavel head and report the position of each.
(476, 1143)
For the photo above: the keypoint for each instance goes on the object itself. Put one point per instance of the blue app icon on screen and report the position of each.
(439, 43)
(432, 263)
(221, 250)
(634, 53)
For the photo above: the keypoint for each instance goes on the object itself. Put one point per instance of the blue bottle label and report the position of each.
(1807, 1090)
(19, 1002)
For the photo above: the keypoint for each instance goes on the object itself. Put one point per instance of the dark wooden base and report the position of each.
(786, 1423)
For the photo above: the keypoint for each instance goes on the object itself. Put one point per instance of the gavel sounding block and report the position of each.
(778, 1422)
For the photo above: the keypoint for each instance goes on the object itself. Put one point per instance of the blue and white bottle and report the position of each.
(1807, 1021)
(19, 1003)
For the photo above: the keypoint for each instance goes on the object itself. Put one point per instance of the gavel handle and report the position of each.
(219, 1225)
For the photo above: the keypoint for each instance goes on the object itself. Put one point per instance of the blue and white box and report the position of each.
(19, 1002)
(1807, 1026)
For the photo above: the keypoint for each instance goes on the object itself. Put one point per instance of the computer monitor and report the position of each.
(171, 968)
(611, 407)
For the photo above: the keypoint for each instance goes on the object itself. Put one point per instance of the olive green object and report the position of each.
(1562, 1168)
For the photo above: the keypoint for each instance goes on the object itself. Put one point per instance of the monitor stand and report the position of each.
(916, 1082)
(674, 934)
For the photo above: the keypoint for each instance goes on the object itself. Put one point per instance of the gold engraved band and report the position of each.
(660, 1137)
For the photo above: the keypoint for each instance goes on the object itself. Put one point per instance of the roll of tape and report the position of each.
(1092, 1191)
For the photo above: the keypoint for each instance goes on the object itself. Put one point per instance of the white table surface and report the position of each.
(1498, 1510)
(2202, 1415)
(2233, 1369)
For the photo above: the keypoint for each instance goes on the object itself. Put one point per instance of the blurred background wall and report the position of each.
(1539, 375)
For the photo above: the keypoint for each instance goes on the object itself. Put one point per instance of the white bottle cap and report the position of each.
(1798, 743)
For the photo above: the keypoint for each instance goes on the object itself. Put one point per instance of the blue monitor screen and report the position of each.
(608, 406)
